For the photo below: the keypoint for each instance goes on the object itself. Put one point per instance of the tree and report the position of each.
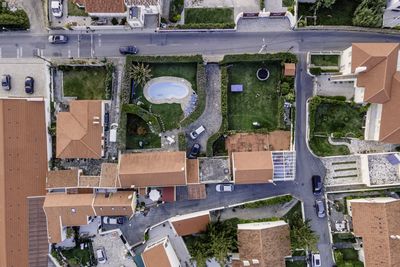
(140, 73)
(285, 88)
(369, 13)
(326, 3)
(301, 235)
(221, 241)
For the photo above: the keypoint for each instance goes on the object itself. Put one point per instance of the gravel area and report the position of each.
(381, 171)
(342, 170)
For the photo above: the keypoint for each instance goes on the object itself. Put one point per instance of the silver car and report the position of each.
(224, 187)
(320, 208)
(6, 82)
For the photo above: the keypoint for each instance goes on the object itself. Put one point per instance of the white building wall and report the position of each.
(173, 259)
(373, 122)
(345, 61)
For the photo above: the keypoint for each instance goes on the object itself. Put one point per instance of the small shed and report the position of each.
(237, 88)
(290, 69)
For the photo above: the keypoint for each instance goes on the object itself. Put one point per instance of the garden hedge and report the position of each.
(205, 26)
(201, 82)
(164, 59)
(17, 20)
(144, 114)
(284, 57)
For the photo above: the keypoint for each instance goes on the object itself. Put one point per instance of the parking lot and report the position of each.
(19, 69)
(114, 249)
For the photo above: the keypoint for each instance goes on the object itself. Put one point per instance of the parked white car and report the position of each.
(224, 187)
(197, 132)
(101, 255)
(57, 8)
(316, 260)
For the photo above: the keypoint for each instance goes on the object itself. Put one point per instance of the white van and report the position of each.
(197, 132)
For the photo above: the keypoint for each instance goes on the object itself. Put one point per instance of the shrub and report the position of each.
(268, 202)
(123, 21)
(175, 9)
(284, 57)
(182, 141)
(262, 4)
(316, 71)
(204, 26)
(14, 20)
(114, 21)
(164, 59)
(108, 80)
(369, 13)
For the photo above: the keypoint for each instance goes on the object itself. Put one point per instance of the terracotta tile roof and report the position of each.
(62, 178)
(152, 169)
(252, 167)
(375, 221)
(23, 168)
(74, 209)
(155, 255)
(380, 60)
(38, 243)
(196, 191)
(103, 6)
(89, 181)
(192, 166)
(191, 223)
(290, 69)
(267, 242)
(78, 136)
(109, 175)
(116, 204)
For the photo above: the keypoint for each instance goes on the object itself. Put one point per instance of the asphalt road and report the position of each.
(95, 44)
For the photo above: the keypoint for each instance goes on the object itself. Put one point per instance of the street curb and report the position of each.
(349, 29)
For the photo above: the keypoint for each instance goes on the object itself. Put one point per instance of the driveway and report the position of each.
(263, 24)
(35, 11)
(238, 5)
(211, 118)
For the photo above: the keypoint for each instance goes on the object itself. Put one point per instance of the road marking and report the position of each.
(79, 45)
(0, 52)
(91, 45)
(69, 53)
(41, 51)
(21, 50)
(17, 52)
(99, 36)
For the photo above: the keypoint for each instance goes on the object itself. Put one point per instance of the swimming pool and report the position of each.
(167, 89)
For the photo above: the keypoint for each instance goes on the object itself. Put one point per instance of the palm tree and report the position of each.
(140, 72)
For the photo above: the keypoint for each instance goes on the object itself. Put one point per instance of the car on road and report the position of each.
(113, 220)
(224, 187)
(197, 132)
(29, 85)
(316, 185)
(128, 50)
(316, 260)
(194, 151)
(6, 82)
(101, 255)
(320, 208)
(58, 39)
(57, 8)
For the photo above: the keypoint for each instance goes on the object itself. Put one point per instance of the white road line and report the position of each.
(69, 53)
(41, 51)
(99, 36)
(0, 52)
(91, 45)
(17, 52)
(21, 50)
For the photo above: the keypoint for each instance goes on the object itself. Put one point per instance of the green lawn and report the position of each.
(342, 118)
(85, 83)
(350, 258)
(321, 147)
(325, 60)
(74, 10)
(341, 13)
(137, 130)
(208, 15)
(170, 114)
(259, 100)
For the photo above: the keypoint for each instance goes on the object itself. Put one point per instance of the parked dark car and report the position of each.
(128, 50)
(106, 121)
(29, 85)
(316, 185)
(194, 151)
(6, 82)
(58, 39)
(320, 208)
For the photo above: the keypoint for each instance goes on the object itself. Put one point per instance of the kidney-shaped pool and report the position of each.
(167, 89)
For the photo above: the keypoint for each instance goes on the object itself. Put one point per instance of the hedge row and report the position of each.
(201, 82)
(204, 26)
(268, 202)
(109, 79)
(182, 141)
(284, 57)
(17, 20)
(151, 120)
(164, 59)
(224, 112)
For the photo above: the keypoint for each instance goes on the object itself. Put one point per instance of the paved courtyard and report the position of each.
(238, 5)
(214, 169)
(325, 87)
(19, 69)
(115, 250)
(342, 170)
(263, 24)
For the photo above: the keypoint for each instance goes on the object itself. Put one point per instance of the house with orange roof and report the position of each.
(376, 221)
(374, 68)
(263, 244)
(66, 210)
(160, 254)
(80, 131)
